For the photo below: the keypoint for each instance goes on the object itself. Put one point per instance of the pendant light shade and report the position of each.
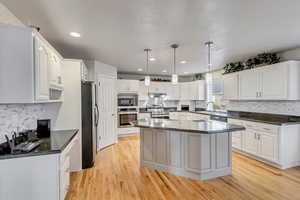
(174, 75)
(147, 78)
(208, 78)
(174, 79)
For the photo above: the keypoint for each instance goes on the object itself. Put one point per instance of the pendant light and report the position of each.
(174, 75)
(208, 77)
(147, 77)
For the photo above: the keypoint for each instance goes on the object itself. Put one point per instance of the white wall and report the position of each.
(22, 116)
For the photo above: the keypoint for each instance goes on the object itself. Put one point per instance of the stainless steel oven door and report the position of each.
(125, 118)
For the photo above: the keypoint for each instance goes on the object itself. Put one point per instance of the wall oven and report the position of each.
(127, 100)
(127, 115)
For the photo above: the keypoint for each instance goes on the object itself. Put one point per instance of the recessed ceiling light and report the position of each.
(140, 69)
(164, 71)
(75, 34)
(152, 59)
(183, 62)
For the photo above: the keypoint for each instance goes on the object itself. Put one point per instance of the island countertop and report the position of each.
(200, 126)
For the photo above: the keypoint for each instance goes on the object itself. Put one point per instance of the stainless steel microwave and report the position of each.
(127, 100)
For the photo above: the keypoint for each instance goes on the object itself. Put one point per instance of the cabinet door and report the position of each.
(274, 82)
(199, 90)
(184, 91)
(41, 72)
(54, 69)
(123, 86)
(197, 152)
(148, 140)
(173, 92)
(161, 148)
(144, 115)
(249, 84)
(143, 91)
(174, 115)
(231, 88)
(268, 146)
(237, 140)
(175, 150)
(133, 85)
(250, 143)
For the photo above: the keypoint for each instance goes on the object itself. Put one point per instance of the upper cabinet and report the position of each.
(158, 87)
(143, 91)
(55, 72)
(42, 61)
(30, 69)
(231, 86)
(273, 82)
(84, 71)
(195, 90)
(127, 86)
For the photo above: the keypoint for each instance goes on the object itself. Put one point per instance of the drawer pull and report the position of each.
(267, 129)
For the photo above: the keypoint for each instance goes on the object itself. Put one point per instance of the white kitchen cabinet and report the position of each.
(273, 82)
(174, 115)
(250, 142)
(127, 86)
(195, 90)
(41, 71)
(27, 64)
(237, 136)
(144, 116)
(143, 91)
(268, 146)
(158, 87)
(55, 75)
(249, 84)
(231, 86)
(83, 72)
(173, 92)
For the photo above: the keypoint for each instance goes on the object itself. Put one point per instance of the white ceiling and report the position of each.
(116, 31)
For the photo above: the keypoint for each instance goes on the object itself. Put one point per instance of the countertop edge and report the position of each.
(192, 131)
(32, 154)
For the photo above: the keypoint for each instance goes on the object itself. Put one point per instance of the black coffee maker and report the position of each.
(43, 129)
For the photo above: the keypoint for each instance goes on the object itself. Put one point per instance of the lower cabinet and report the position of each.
(260, 140)
(250, 142)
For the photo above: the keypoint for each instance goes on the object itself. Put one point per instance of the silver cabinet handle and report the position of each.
(258, 136)
(254, 135)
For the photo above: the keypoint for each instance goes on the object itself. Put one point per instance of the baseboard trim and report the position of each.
(277, 165)
(184, 173)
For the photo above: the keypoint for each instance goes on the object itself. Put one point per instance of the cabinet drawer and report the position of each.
(267, 128)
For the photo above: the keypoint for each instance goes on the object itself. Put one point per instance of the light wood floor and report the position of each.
(117, 176)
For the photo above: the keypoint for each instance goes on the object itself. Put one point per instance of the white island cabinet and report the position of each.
(194, 149)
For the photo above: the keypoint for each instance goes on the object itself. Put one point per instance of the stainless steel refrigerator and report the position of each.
(90, 118)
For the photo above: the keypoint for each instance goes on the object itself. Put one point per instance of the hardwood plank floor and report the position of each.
(117, 175)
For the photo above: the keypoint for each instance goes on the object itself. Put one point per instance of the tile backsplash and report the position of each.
(275, 107)
(19, 117)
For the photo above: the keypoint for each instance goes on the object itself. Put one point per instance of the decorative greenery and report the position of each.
(198, 77)
(257, 61)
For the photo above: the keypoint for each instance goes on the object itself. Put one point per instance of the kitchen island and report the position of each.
(194, 149)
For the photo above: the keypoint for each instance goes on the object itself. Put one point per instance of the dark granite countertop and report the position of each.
(201, 126)
(57, 142)
(274, 119)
